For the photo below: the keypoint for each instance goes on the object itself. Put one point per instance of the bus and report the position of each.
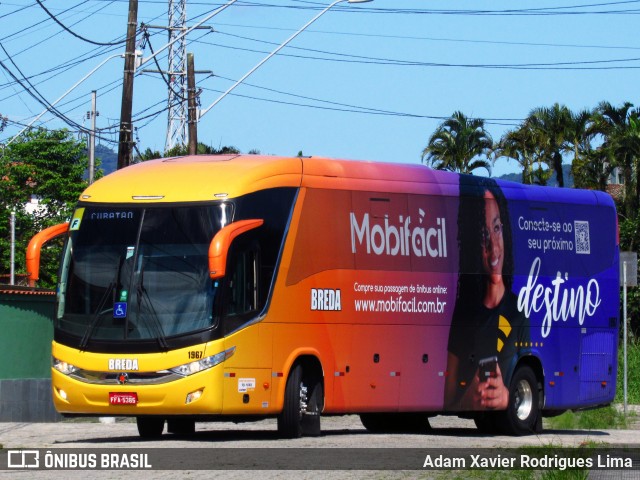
(244, 287)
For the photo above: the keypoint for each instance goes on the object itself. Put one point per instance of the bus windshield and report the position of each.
(139, 273)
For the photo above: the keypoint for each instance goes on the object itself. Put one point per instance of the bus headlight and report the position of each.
(63, 367)
(203, 364)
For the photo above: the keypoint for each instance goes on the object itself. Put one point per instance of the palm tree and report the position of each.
(581, 131)
(457, 143)
(620, 128)
(520, 145)
(590, 168)
(552, 127)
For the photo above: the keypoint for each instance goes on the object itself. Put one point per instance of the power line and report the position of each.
(16, 11)
(543, 11)
(434, 39)
(160, 71)
(67, 29)
(147, 117)
(349, 58)
(363, 110)
(34, 93)
(540, 11)
(32, 26)
(51, 72)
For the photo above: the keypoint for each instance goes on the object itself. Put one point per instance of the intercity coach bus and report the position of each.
(243, 287)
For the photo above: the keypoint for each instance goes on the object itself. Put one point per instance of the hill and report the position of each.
(108, 159)
(566, 169)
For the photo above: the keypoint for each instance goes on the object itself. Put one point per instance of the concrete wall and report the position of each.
(26, 332)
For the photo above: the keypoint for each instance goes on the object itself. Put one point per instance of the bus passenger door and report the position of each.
(248, 372)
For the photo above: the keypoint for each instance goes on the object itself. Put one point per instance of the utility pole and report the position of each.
(125, 141)
(12, 261)
(193, 108)
(92, 137)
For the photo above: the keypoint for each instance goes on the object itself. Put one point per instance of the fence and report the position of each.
(26, 332)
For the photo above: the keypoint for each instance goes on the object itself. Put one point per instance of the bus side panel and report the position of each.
(386, 269)
(567, 281)
(373, 383)
(294, 340)
(336, 391)
(372, 361)
(385, 317)
(597, 365)
(423, 369)
(247, 374)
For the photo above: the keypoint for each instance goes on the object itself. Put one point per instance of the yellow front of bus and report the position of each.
(137, 312)
(144, 327)
(139, 384)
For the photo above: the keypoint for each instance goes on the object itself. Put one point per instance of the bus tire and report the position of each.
(303, 400)
(522, 416)
(315, 400)
(150, 427)
(486, 422)
(391, 422)
(181, 426)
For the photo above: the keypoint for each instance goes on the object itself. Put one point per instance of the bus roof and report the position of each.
(195, 178)
(211, 177)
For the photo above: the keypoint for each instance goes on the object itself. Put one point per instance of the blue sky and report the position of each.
(369, 81)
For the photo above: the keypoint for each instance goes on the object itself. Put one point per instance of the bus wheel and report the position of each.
(150, 427)
(303, 400)
(522, 415)
(486, 422)
(181, 426)
(407, 422)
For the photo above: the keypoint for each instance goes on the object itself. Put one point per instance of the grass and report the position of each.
(597, 419)
(484, 475)
(549, 450)
(633, 367)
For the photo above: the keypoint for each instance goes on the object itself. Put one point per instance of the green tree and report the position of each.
(201, 149)
(620, 129)
(226, 150)
(580, 134)
(47, 167)
(552, 129)
(148, 154)
(590, 167)
(458, 145)
(521, 145)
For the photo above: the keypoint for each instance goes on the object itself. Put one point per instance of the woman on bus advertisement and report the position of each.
(487, 333)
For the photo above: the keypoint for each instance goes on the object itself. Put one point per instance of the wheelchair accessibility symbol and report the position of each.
(120, 310)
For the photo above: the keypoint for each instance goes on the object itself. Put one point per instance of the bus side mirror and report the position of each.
(219, 247)
(35, 246)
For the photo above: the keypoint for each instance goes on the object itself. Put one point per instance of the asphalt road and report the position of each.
(345, 432)
(337, 432)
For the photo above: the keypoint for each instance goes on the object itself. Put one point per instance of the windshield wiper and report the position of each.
(142, 294)
(96, 318)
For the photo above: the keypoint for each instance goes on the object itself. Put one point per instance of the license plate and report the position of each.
(123, 398)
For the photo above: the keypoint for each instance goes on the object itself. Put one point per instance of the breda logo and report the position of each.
(325, 299)
(123, 364)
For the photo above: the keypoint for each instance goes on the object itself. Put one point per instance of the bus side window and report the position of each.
(241, 296)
